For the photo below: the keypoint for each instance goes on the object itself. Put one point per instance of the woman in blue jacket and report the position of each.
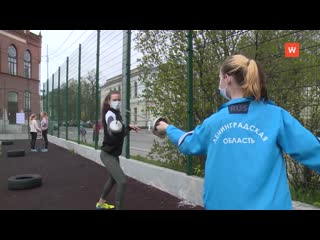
(244, 142)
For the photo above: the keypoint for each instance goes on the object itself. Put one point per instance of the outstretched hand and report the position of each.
(133, 127)
(162, 125)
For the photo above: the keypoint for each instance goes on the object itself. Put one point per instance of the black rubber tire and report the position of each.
(16, 153)
(24, 181)
(6, 142)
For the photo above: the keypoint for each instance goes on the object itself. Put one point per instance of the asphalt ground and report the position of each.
(72, 182)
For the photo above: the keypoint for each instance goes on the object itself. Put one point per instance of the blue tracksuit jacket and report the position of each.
(244, 142)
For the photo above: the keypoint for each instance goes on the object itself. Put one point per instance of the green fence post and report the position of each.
(190, 95)
(58, 107)
(43, 97)
(67, 98)
(97, 90)
(79, 93)
(47, 96)
(126, 86)
(52, 101)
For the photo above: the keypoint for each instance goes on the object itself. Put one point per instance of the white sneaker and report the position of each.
(33, 150)
(44, 150)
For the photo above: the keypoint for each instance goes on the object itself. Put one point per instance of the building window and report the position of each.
(27, 64)
(135, 115)
(135, 89)
(12, 97)
(27, 101)
(12, 60)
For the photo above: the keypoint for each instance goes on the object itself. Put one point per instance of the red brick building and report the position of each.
(20, 57)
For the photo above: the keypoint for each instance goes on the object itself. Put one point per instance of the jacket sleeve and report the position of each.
(127, 130)
(299, 142)
(44, 124)
(115, 138)
(35, 124)
(189, 143)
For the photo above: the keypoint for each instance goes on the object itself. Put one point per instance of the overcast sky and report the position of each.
(63, 43)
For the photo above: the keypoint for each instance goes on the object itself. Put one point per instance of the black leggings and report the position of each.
(116, 176)
(33, 139)
(45, 138)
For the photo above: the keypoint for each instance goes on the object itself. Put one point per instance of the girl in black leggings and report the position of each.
(44, 127)
(111, 150)
(34, 129)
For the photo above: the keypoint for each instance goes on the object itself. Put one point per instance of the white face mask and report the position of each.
(223, 93)
(115, 105)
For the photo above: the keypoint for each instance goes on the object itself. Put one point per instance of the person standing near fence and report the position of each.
(44, 128)
(83, 134)
(34, 128)
(114, 133)
(244, 143)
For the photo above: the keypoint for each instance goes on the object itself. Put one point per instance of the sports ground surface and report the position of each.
(71, 182)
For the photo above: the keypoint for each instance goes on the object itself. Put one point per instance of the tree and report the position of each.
(292, 83)
(164, 76)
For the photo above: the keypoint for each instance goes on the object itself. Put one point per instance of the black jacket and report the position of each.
(112, 143)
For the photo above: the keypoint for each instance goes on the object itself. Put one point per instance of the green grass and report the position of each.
(83, 143)
(170, 165)
(306, 196)
(87, 144)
